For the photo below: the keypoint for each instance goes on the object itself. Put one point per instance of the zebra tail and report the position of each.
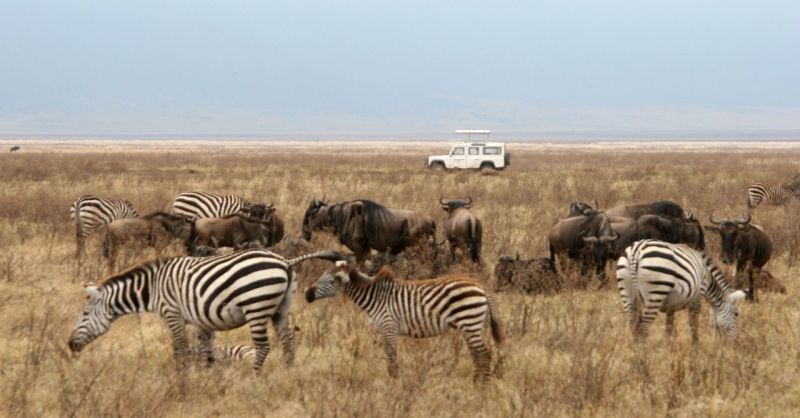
(325, 255)
(494, 323)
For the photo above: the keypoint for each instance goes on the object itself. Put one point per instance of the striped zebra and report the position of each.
(227, 355)
(207, 205)
(90, 212)
(423, 308)
(773, 195)
(212, 293)
(671, 277)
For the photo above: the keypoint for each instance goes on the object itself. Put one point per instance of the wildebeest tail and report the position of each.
(106, 247)
(552, 259)
(473, 242)
(494, 323)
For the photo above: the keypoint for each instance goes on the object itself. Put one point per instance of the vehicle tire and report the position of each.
(438, 166)
(487, 168)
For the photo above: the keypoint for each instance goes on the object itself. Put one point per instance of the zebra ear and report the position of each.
(736, 296)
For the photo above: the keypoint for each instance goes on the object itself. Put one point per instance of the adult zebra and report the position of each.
(773, 195)
(671, 277)
(208, 205)
(213, 293)
(90, 212)
(419, 308)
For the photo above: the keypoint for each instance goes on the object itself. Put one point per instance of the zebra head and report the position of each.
(330, 283)
(723, 318)
(93, 322)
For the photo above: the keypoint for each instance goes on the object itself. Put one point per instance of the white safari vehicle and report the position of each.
(483, 155)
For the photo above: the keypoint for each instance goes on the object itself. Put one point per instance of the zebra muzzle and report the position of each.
(310, 297)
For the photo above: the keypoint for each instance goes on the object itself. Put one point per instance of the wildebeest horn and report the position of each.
(442, 202)
(713, 221)
(608, 238)
(596, 205)
(741, 221)
(470, 201)
(268, 205)
(590, 240)
(690, 214)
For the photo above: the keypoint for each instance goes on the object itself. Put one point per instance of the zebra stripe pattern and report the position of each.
(212, 293)
(228, 355)
(423, 308)
(90, 212)
(771, 195)
(671, 277)
(207, 205)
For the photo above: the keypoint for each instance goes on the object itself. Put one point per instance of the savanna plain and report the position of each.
(568, 354)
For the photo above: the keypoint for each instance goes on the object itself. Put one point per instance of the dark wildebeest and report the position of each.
(14, 148)
(266, 212)
(153, 230)
(236, 230)
(662, 207)
(581, 209)
(587, 238)
(534, 276)
(673, 230)
(462, 229)
(746, 244)
(363, 225)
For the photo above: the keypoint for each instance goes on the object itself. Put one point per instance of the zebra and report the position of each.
(671, 277)
(212, 293)
(208, 205)
(90, 212)
(422, 308)
(773, 195)
(227, 355)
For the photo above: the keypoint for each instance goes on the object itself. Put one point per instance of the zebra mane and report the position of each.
(126, 274)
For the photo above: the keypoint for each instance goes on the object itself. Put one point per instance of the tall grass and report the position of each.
(566, 354)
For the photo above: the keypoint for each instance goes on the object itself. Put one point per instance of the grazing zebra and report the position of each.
(423, 308)
(773, 195)
(212, 293)
(90, 212)
(207, 205)
(671, 277)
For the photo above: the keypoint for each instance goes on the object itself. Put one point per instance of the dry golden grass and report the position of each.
(567, 354)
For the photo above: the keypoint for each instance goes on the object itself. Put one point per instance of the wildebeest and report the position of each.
(462, 229)
(587, 238)
(14, 148)
(746, 244)
(534, 276)
(363, 225)
(153, 230)
(581, 208)
(266, 212)
(673, 230)
(234, 230)
(662, 207)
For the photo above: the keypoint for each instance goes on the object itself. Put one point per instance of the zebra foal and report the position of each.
(212, 293)
(658, 276)
(423, 308)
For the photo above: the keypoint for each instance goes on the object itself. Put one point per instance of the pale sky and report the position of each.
(528, 69)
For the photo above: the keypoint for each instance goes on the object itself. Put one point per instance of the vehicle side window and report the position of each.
(491, 151)
(474, 151)
(458, 151)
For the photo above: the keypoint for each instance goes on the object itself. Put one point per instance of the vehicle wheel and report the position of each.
(487, 169)
(438, 167)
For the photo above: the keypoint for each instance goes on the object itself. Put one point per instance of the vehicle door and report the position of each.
(473, 157)
(458, 157)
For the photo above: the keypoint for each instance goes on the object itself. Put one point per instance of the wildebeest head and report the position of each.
(259, 211)
(581, 209)
(600, 247)
(729, 231)
(451, 205)
(315, 217)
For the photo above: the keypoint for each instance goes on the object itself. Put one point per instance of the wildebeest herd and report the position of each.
(237, 270)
